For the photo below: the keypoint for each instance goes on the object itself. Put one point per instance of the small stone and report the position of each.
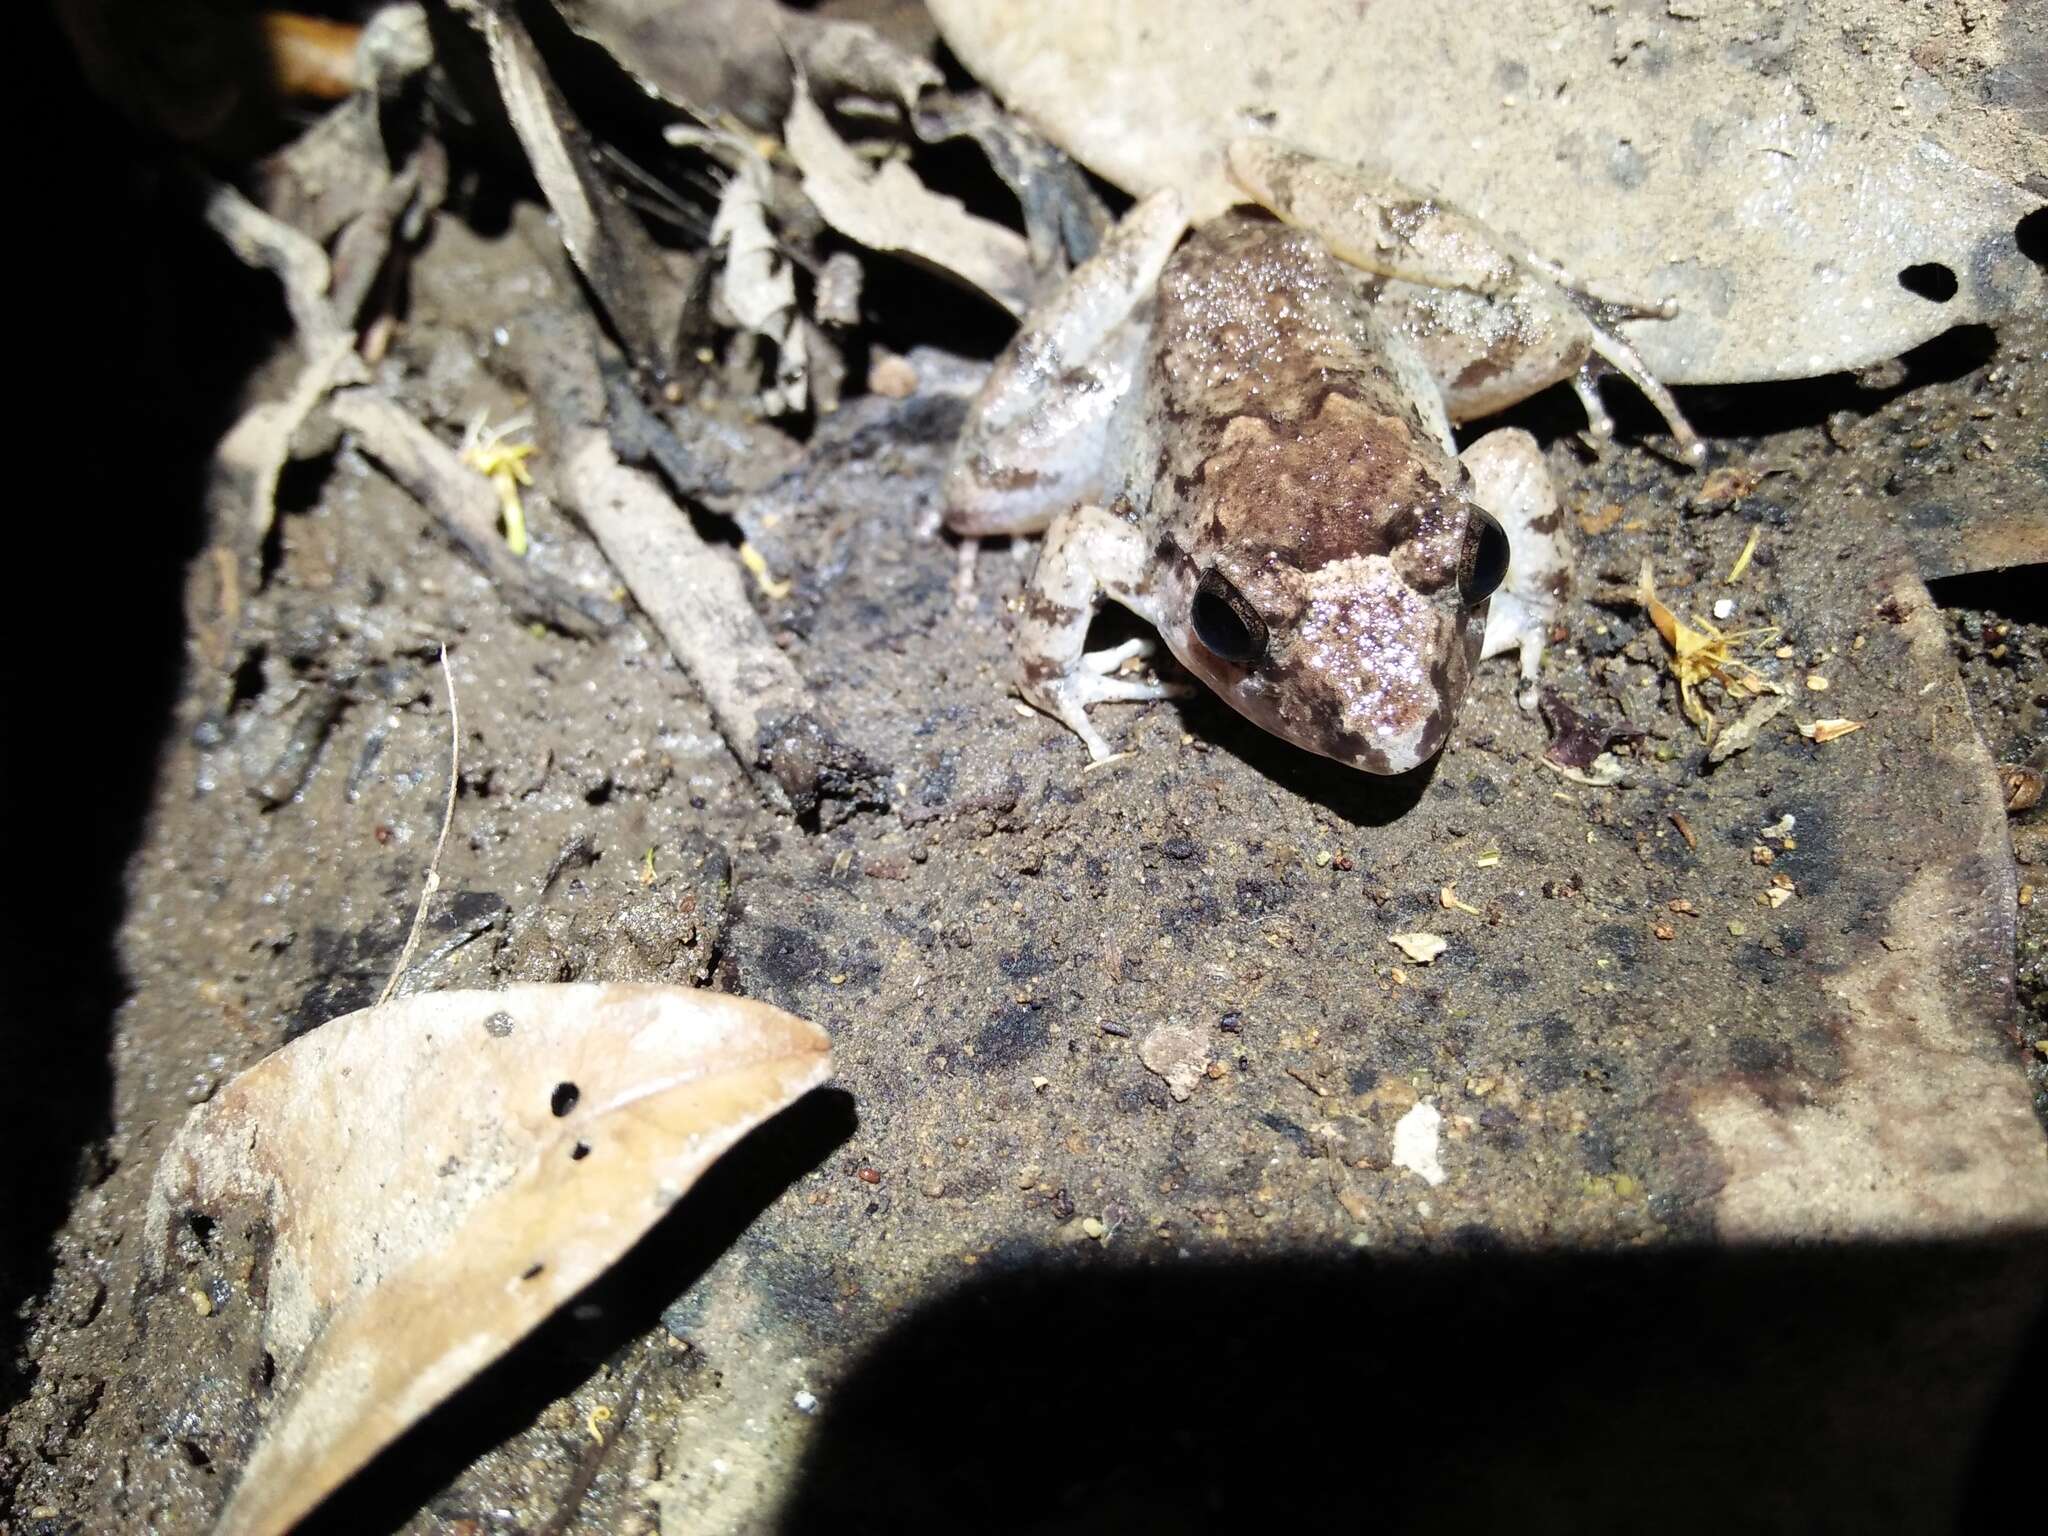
(1094, 1227)
(1176, 1053)
(1422, 948)
(806, 1402)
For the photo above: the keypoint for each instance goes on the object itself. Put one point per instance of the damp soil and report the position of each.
(1000, 1275)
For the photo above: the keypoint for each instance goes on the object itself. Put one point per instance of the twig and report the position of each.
(433, 880)
(260, 240)
(695, 593)
(463, 502)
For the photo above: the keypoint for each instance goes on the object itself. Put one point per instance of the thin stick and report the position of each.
(433, 880)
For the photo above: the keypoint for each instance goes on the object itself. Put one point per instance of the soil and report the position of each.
(1002, 1274)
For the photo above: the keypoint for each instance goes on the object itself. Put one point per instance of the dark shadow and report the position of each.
(1842, 1388)
(1359, 798)
(596, 1324)
(2020, 593)
(141, 333)
(1727, 411)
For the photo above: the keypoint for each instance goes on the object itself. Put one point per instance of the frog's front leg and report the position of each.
(1511, 480)
(1494, 322)
(1036, 438)
(1088, 554)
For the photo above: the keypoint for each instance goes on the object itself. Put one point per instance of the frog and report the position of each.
(1242, 433)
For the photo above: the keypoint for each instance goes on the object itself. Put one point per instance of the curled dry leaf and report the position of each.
(441, 1172)
(2022, 786)
(756, 284)
(889, 209)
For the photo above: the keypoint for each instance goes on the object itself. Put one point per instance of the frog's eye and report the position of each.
(1226, 622)
(1483, 562)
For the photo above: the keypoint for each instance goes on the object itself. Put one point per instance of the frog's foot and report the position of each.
(1088, 554)
(1068, 698)
(1617, 356)
(1511, 480)
(963, 574)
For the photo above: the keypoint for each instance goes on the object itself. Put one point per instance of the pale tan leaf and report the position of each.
(1738, 160)
(889, 209)
(443, 1171)
(1422, 948)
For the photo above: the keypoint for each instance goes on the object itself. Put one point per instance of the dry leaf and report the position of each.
(1742, 735)
(1809, 206)
(441, 1173)
(756, 282)
(1827, 730)
(889, 209)
(606, 240)
(2022, 785)
(1419, 947)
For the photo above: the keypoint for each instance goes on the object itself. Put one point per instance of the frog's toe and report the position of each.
(1599, 424)
(963, 574)
(1106, 661)
(1063, 700)
(1130, 690)
(1068, 698)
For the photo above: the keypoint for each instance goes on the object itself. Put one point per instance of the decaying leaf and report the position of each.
(2022, 786)
(1742, 735)
(1823, 731)
(1422, 948)
(756, 284)
(441, 1172)
(1579, 743)
(889, 209)
(604, 238)
(707, 57)
(1808, 206)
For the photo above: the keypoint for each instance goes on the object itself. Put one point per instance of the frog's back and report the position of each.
(1281, 415)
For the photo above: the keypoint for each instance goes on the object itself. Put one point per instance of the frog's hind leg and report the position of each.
(1511, 480)
(1611, 353)
(1088, 554)
(1494, 322)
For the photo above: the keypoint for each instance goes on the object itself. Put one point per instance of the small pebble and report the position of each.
(1724, 608)
(1093, 1227)
(806, 1402)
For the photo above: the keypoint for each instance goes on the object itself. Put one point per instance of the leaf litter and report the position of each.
(442, 1171)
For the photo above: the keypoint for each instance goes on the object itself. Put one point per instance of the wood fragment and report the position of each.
(467, 510)
(606, 240)
(697, 597)
(287, 775)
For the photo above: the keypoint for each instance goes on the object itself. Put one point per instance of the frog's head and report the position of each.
(1357, 644)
